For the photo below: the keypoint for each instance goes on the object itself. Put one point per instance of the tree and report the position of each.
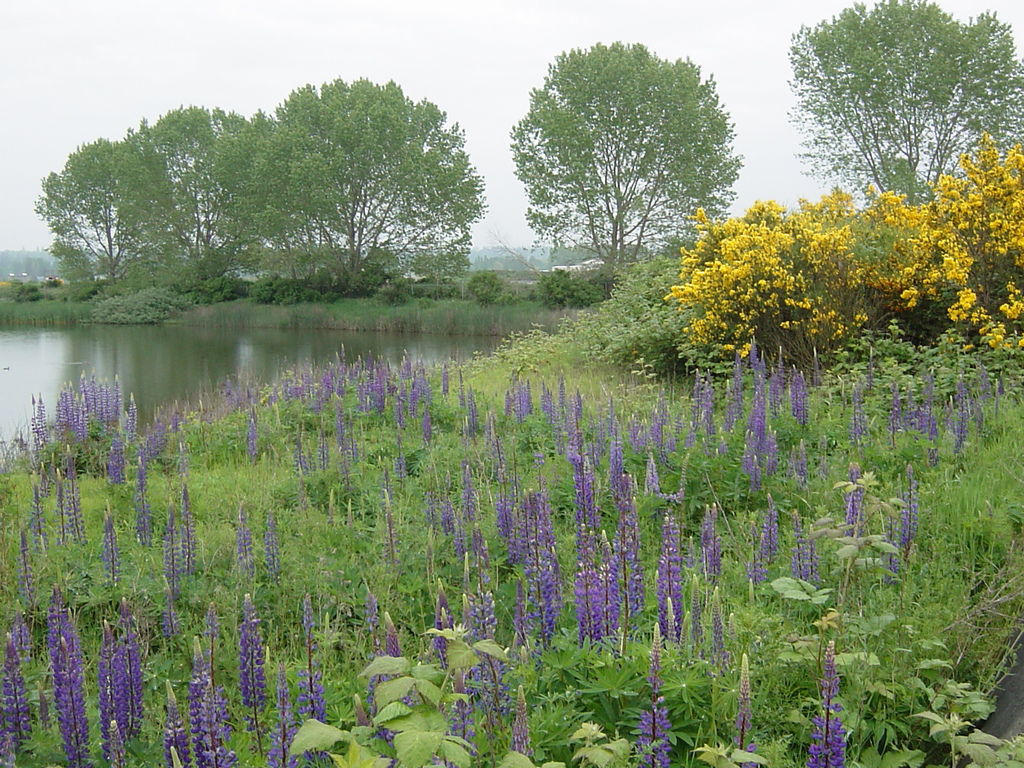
(93, 207)
(369, 179)
(893, 95)
(199, 165)
(619, 149)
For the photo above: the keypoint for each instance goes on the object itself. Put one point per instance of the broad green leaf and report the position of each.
(490, 648)
(456, 753)
(516, 760)
(314, 735)
(393, 690)
(416, 748)
(429, 691)
(387, 665)
(742, 756)
(393, 710)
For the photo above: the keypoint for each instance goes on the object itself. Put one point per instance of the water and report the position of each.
(161, 364)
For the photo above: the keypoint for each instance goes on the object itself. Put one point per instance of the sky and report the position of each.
(73, 71)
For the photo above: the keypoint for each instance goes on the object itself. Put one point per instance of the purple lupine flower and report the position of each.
(767, 544)
(442, 620)
(252, 682)
(744, 713)
(26, 584)
(798, 398)
(131, 421)
(961, 422)
(858, 421)
(105, 680)
(37, 519)
(175, 736)
(187, 535)
(520, 628)
(521, 727)
(21, 635)
(115, 747)
(169, 617)
(583, 484)
(719, 654)
(461, 722)
(804, 561)
(68, 683)
(855, 502)
(252, 437)
(115, 461)
(472, 419)
(617, 478)
(392, 645)
(172, 554)
(40, 432)
(828, 738)
(73, 501)
(208, 710)
(798, 463)
(143, 513)
(111, 554)
(15, 717)
(670, 581)
(652, 732)
(128, 674)
(243, 545)
(271, 548)
(652, 484)
(628, 569)
(734, 405)
(286, 727)
(587, 588)
(311, 690)
(710, 545)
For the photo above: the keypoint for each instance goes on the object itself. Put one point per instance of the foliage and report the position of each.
(198, 162)
(561, 288)
(216, 289)
(396, 291)
(281, 290)
(618, 147)
(27, 292)
(486, 287)
(145, 307)
(879, 105)
(968, 253)
(363, 176)
(790, 280)
(636, 328)
(95, 208)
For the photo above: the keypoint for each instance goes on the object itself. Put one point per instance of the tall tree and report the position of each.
(94, 210)
(892, 95)
(199, 166)
(366, 178)
(619, 148)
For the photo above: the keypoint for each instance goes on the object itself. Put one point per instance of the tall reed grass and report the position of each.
(45, 312)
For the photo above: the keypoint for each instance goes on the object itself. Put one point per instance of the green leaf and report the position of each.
(516, 760)
(392, 711)
(429, 691)
(416, 748)
(393, 690)
(742, 756)
(387, 665)
(490, 648)
(314, 735)
(461, 656)
(455, 753)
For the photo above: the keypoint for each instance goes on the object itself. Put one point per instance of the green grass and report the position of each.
(445, 317)
(905, 641)
(44, 312)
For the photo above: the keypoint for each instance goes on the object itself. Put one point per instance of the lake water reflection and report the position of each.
(163, 364)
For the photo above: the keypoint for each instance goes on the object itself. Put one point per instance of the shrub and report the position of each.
(395, 291)
(281, 290)
(146, 307)
(565, 289)
(27, 292)
(637, 327)
(218, 289)
(85, 290)
(486, 287)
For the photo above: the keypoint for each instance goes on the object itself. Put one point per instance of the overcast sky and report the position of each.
(72, 71)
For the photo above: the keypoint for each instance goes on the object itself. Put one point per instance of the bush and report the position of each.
(566, 289)
(281, 290)
(146, 307)
(217, 289)
(27, 292)
(636, 327)
(396, 291)
(85, 290)
(486, 287)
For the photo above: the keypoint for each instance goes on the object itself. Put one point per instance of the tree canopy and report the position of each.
(364, 176)
(619, 148)
(892, 95)
(94, 209)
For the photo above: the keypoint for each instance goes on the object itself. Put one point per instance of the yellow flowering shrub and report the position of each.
(790, 279)
(969, 252)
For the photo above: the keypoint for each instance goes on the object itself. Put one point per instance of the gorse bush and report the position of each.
(814, 278)
(146, 307)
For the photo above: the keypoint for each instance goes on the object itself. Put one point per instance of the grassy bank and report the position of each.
(45, 312)
(446, 317)
(564, 511)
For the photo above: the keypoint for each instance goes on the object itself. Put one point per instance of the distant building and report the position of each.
(584, 266)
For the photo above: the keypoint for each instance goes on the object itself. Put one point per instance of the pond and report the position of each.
(164, 364)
